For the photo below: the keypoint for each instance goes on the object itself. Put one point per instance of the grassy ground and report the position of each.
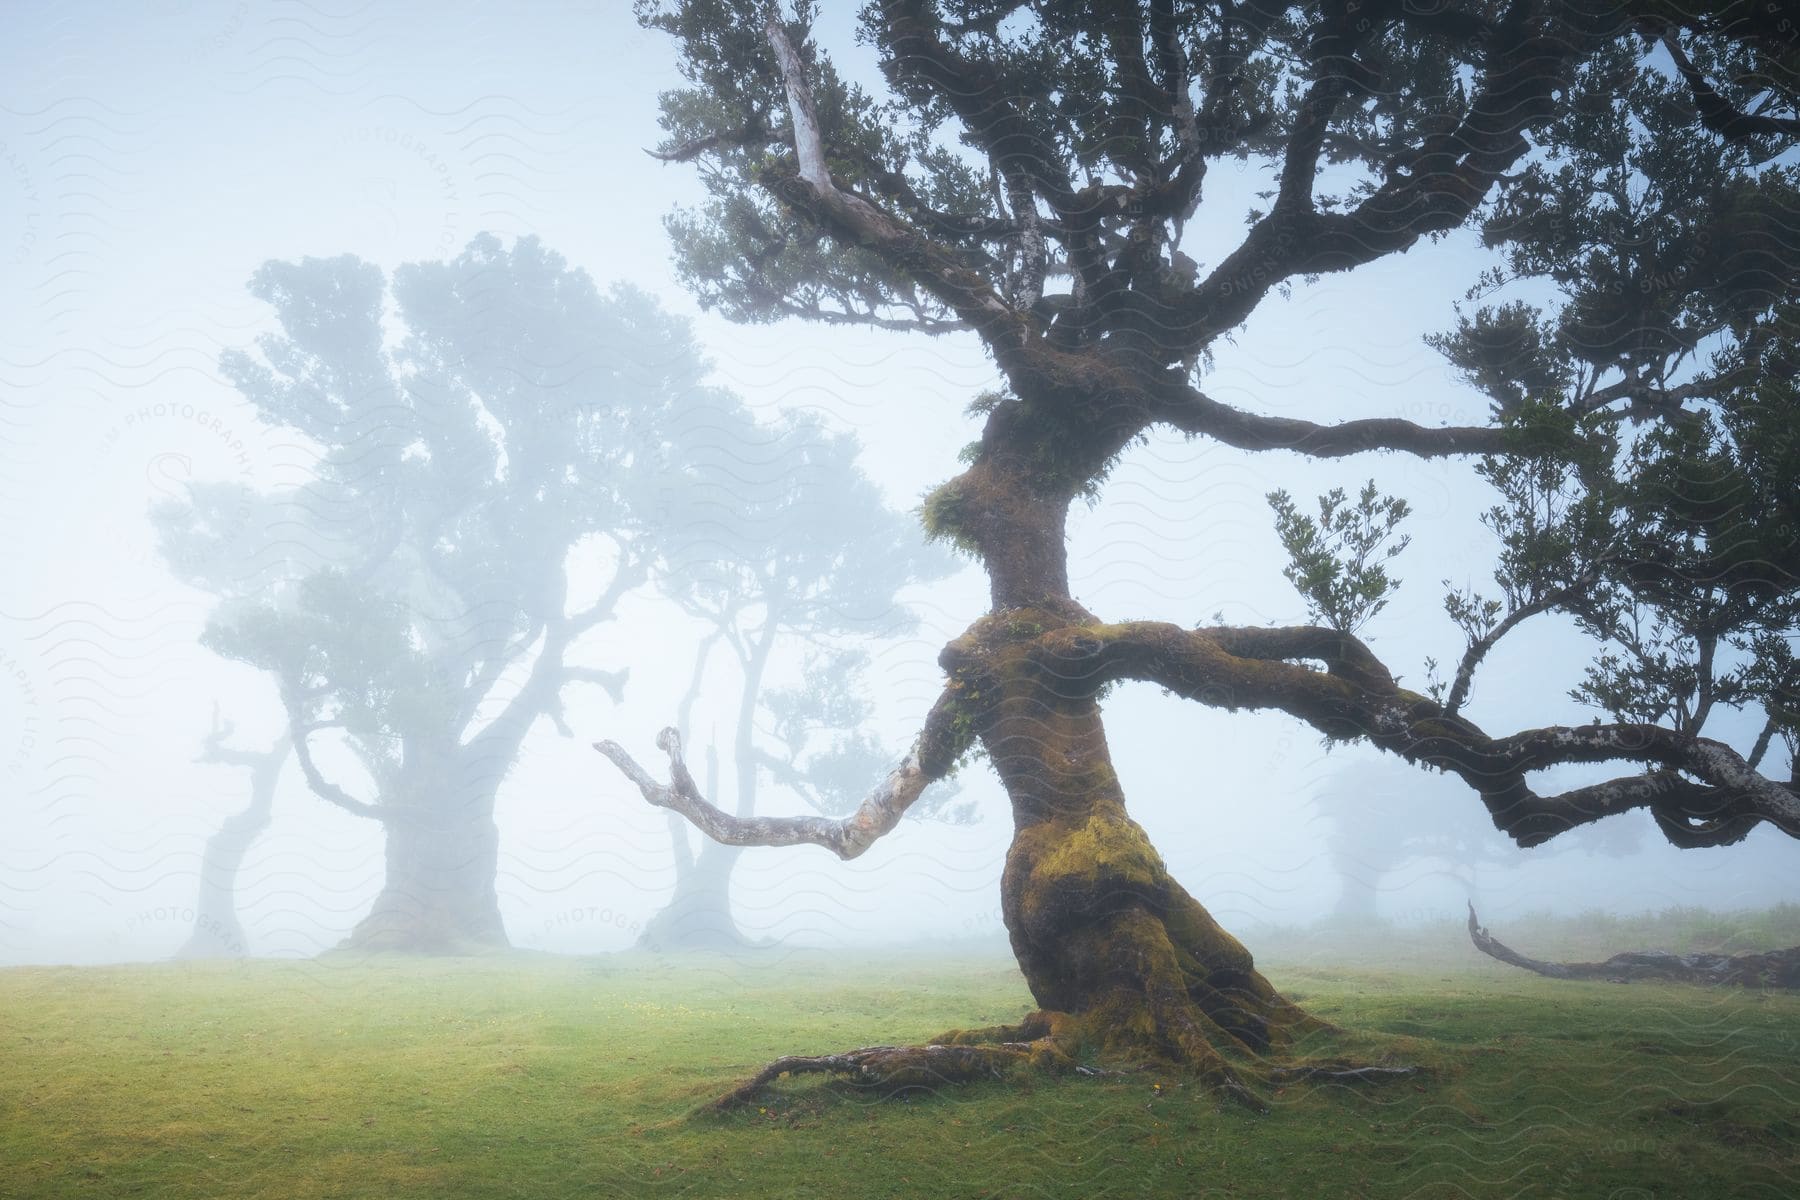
(541, 1076)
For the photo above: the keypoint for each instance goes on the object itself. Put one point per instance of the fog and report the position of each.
(153, 158)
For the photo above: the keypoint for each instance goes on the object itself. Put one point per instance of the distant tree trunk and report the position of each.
(1775, 969)
(443, 855)
(698, 916)
(217, 931)
(1360, 873)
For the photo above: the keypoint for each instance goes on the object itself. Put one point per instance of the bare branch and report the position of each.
(939, 745)
(322, 787)
(851, 217)
(1778, 968)
(612, 682)
(1494, 948)
(805, 116)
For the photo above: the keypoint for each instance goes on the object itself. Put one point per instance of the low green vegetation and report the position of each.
(527, 1075)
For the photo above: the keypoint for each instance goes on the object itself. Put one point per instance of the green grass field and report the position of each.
(534, 1075)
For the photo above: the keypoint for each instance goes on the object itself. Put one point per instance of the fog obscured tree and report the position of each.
(1381, 817)
(493, 466)
(1028, 173)
(218, 933)
(786, 545)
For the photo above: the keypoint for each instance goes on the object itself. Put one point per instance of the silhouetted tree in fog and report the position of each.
(789, 544)
(493, 470)
(217, 931)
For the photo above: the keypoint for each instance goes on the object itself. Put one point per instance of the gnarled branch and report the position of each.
(322, 787)
(853, 218)
(939, 745)
(1186, 408)
(1355, 698)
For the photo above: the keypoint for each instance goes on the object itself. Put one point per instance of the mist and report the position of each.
(183, 150)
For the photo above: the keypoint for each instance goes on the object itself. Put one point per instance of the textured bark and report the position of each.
(1775, 969)
(1121, 959)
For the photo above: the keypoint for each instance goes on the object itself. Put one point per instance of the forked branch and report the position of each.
(939, 745)
(852, 218)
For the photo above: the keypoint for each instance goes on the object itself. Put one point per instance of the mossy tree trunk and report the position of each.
(1104, 935)
(1122, 961)
(1120, 958)
(1117, 954)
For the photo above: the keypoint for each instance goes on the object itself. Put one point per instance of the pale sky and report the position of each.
(152, 156)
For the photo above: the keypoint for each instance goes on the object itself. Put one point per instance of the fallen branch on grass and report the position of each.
(1775, 969)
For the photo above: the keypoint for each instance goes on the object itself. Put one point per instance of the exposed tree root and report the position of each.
(893, 1069)
(1776, 969)
(1043, 1041)
(1339, 1073)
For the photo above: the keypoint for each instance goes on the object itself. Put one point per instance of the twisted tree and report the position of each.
(1026, 172)
(217, 931)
